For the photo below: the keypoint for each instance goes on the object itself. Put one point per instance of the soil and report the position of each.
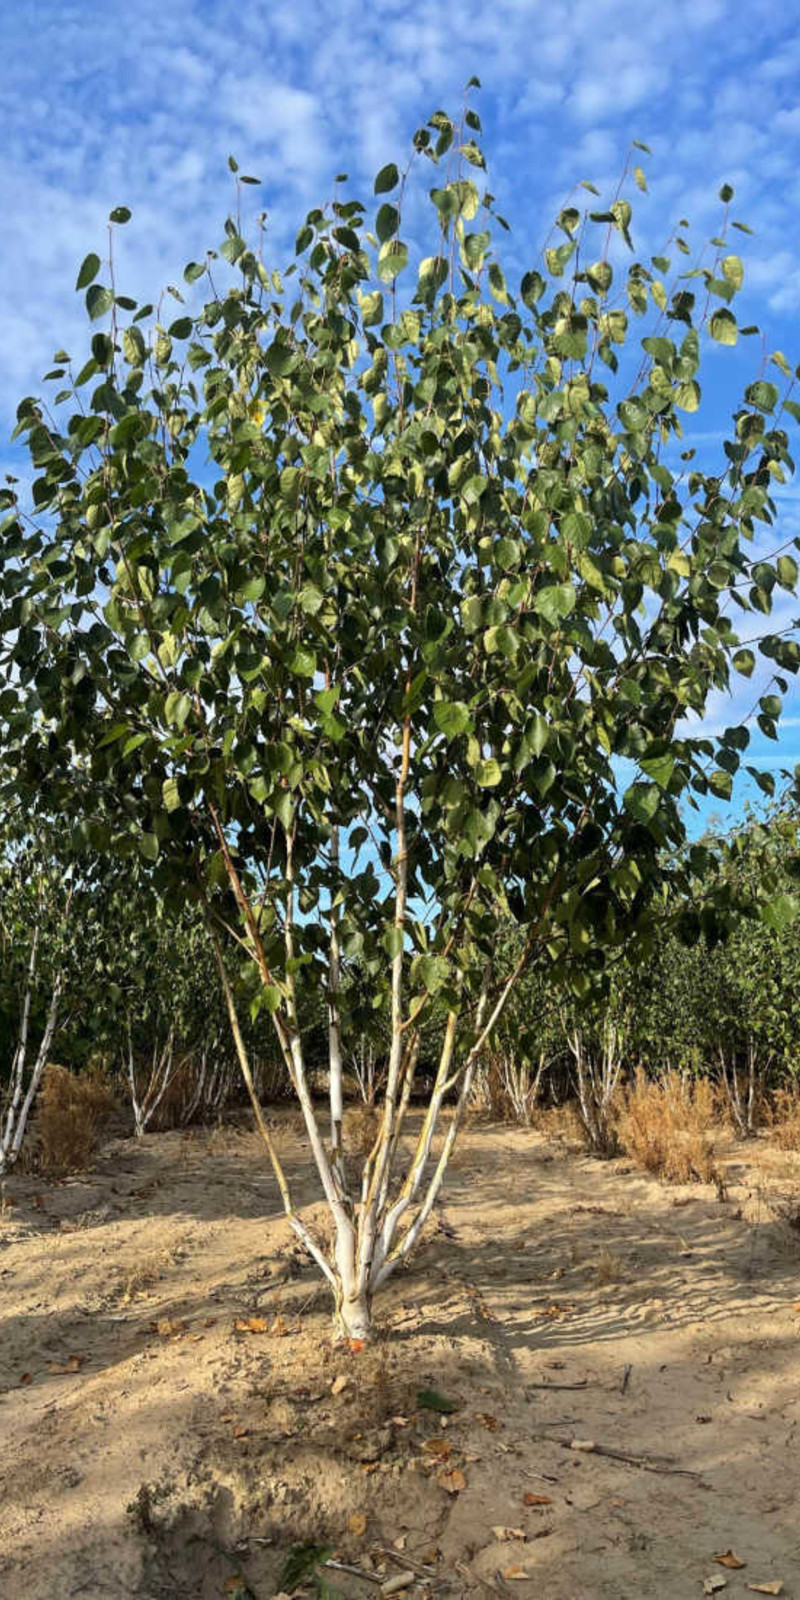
(175, 1417)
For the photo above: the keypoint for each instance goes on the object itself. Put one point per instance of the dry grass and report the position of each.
(608, 1269)
(665, 1126)
(784, 1119)
(141, 1275)
(73, 1111)
(562, 1124)
(786, 1207)
(361, 1128)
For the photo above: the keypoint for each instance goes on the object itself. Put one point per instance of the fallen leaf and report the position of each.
(703, 1418)
(228, 1416)
(400, 1422)
(453, 1481)
(169, 1327)
(340, 1384)
(712, 1585)
(586, 1445)
(27, 1377)
(490, 1423)
(515, 1572)
(241, 1433)
(766, 1588)
(72, 1364)
(618, 1503)
(279, 1327)
(531, 1499)
(356, 1346)
(250, 1324)
(730, 1559)
(441, 1448)
(357, 1524)
(501, 1533)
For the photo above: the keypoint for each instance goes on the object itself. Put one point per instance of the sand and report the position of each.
(174, 1415)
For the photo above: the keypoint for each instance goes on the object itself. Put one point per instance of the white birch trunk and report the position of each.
(21, 1098)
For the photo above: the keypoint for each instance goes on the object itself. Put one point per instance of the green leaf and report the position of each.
(771, 705)
(393, 257)
(723, 327)
(781, 912)
(642, 801)
(89, 271)
(497, 282)
(433, 972)
(501, 640)
(733, 271)
(387, 179)
(687, 396)
(372, 309)
(169, 790)
(148, 846)
(536, 734)
(116, 732)
(99, 300)
(120, 214)
(555, 602)
(303, 662)
(133, 346)
(472, 613)
(720, 783)
(393, 941)
(744, 662)
(387, 222)
(432, 274)
(452, 717)
(660, 768)
(787, 572)
(301, 1563)
(177, 707)
(488, 774)
(762, 395)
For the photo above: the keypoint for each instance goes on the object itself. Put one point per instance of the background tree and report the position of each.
(45, 895)
(374, 666)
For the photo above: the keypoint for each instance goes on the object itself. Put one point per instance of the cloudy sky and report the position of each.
(141, 104)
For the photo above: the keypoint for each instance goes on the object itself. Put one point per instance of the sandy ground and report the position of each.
(174, 1416)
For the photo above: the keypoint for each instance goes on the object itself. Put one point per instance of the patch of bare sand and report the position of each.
(204, 1422)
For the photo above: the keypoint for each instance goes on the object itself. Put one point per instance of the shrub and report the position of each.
(664, 1125)
(73, 1111)
(784, 1119)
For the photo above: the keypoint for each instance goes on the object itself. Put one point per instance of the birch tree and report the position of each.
(37, 893)
(371, 670)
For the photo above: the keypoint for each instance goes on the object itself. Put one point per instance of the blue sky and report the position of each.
(141, 105)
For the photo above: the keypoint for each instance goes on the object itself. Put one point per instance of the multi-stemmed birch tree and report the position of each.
(42, 912)
(352, 586)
